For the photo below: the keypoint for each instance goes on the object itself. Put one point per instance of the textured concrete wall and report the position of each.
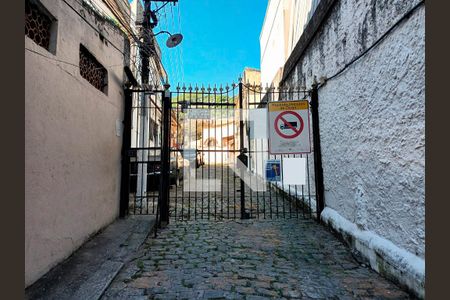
(372, 116)
(72, 152)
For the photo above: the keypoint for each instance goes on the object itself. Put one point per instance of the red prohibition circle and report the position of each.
(296, 132)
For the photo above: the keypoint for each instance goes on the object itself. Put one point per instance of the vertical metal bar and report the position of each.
(195, 192)
(156, 143)
(138, 121)
(318, 171)
(142, 145)
(234, 152)
(202, 154)
(215, 150)
(262, 157)
(247, 134)
(283, 198)
(303, 194)
(228, 154)
(195, 161)
(126, 144)
(222, 132)
(147, 194)
(307, 170)
(276, 190)
(138, 132)
(255, 150)
(241, 145)
(164, 188)
(151, 131)
(275, 96)
(296, 191)
(209, 157)
(270, 190)
(189, 177)
(177, 118)
(309, 185)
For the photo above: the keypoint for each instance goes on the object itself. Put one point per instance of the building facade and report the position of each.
(283, 25)
(369, 60)
(75, 54)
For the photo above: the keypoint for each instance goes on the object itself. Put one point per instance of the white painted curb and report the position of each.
(382, 255)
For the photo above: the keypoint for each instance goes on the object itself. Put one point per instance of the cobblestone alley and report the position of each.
(276, 259)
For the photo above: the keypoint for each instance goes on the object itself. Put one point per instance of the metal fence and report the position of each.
(196, 140)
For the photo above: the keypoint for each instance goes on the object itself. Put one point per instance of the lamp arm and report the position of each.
(163, 31)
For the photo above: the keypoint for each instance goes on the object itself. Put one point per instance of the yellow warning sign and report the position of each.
(288, 124)
(288, 105)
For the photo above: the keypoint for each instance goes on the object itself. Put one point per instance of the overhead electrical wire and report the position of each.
(180, 29)
(168, 57)
(134, 40)
(377, 42)
(174, 59)
(177, 53)
(96, 29)
(69, 63)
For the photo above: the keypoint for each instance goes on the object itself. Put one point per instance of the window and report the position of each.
(92, 70)
(40, 26)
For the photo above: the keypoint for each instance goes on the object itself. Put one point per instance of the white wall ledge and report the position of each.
(395, 263)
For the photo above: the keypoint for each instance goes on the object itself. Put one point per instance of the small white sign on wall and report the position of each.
(294, 170)
(258, 123)
(119, 127)
(199, 114)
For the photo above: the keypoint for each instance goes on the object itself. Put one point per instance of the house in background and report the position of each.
(218, 137)
(76, 53)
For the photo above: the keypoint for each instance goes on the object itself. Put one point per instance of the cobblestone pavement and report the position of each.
(225, 203)
(276, 259)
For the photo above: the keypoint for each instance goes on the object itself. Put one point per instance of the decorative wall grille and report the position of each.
(37, 25)
(92, 70)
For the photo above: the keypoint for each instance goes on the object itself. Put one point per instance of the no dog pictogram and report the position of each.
(292, 127)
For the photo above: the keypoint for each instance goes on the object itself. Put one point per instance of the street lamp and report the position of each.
(173, 40)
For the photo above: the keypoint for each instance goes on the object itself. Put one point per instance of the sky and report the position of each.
(221, 38)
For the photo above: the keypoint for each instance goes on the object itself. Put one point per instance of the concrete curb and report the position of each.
(88, 272)
(392, 262)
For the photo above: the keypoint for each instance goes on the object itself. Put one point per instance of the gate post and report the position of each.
(126, 144)
(242, 156)
(318, 170)
(165, 158)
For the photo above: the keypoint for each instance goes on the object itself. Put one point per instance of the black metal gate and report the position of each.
(182, 148)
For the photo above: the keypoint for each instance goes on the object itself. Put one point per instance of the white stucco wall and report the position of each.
(272, 41)
(372, 117)
(72, 151)
(283, 25)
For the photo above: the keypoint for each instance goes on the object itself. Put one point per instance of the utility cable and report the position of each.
(378, 41)
(177, 53)
(67, 62)
(106, 15)
(135, 39)
(92, 26)
(181, 46)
